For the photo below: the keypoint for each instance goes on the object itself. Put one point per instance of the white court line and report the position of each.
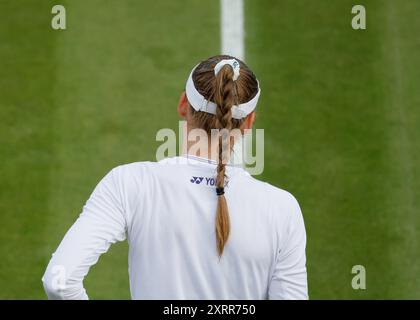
(232, 43)
(232, 28)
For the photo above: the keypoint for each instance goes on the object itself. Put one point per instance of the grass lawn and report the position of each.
(341, 113)
(340, 109)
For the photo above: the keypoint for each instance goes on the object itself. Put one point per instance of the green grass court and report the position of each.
(340, 109)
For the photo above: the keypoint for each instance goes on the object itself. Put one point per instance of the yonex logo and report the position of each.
(197, 180)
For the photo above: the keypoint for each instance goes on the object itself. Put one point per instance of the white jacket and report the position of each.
(167, 210)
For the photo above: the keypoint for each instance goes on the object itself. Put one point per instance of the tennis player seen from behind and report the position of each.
(238, 238)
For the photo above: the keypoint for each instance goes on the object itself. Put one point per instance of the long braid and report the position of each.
(225, 93)
(224, 98)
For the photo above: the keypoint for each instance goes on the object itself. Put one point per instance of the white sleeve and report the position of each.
(289, 280)
(101, 223)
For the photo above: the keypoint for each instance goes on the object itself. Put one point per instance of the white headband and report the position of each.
(199, 103)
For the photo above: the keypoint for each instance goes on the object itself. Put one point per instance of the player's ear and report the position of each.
(249, 121)
(183, 106)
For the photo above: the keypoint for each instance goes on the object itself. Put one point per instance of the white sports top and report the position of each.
(167, 211)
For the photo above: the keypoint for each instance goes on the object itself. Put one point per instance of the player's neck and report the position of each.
(198, 143)
(203, 148)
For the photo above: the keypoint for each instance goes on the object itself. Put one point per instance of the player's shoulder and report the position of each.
(134, 169)
(279, 198)
(145, 170)
(269, 188)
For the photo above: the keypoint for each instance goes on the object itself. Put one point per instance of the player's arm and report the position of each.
(101, 223)
(289, 280)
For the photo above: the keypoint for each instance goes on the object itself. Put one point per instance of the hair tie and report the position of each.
(220, 191)
(233, 63)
